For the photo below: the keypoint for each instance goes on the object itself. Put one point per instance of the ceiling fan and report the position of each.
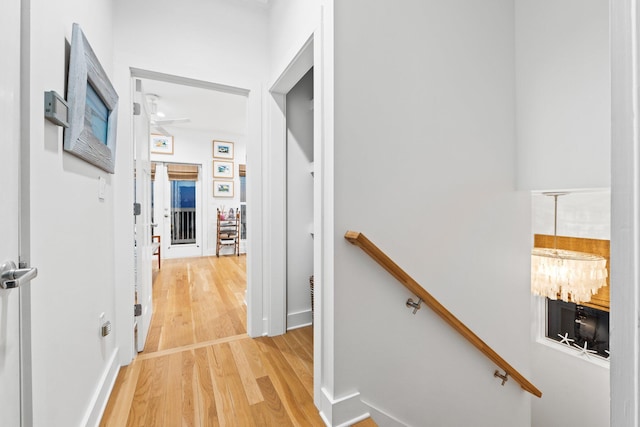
(157, 118)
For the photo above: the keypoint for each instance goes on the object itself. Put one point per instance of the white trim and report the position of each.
(383, 418)
(101, 396)
(344, 411)
(256, 217)
(323, 264)
(186, 81)
(297, 68)
(275, 260)
(625, 215)
(299, 319)
(275, 251)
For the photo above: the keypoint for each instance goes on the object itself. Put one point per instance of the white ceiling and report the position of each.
(207, 110)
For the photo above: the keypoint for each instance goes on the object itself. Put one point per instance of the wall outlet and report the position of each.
(106, 328)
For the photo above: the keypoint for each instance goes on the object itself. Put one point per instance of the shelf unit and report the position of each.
(228, 232)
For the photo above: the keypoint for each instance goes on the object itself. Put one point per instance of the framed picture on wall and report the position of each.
(222, 169)
(223, 150)
(161, 144)
(222, 188)
(93, 107)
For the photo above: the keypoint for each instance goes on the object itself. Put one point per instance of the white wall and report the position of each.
(299, 201)
(72, 231)
(291, 24)
(564, 124)
(220, 41)
(563, 94)
(567, 379)
(424, 166)
(196, 147)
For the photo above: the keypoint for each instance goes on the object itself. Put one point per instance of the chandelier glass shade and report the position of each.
(567, 275)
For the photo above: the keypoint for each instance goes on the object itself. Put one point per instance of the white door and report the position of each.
(178, 211)
(10, 367)
(143, 233)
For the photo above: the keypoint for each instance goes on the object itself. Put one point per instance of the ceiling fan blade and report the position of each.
(160, 129)
(171, 121)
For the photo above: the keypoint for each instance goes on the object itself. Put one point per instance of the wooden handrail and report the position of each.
(387, 263)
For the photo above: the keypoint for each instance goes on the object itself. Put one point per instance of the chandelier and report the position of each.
(567, 275)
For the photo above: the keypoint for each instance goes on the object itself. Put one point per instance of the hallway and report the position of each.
(200, 368)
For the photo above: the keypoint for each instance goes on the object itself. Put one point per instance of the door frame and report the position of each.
(625, 211)
(276, 246)
(256, 145)
(142, 221)
(316, 52)
(164, 228)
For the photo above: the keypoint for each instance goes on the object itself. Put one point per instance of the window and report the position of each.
(183, 180)
(578, 326)
(582, 327)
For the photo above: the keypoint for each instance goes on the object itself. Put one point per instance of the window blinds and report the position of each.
(182, 172)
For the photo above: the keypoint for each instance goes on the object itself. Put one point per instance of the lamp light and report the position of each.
(568, 275)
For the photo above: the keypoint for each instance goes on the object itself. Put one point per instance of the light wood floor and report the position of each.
(199, 367)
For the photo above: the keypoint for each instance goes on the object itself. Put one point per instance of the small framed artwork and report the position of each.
(223, 150)
(93, 107)
(161, 144)
(222, 169)
(222, 188)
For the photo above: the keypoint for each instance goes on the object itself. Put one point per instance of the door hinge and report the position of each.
(137, 309)
(137, 208)
(136, 109)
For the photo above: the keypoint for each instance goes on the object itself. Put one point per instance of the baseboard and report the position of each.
(299, 319)
(381, 417)
(342, 412)
(100, 398)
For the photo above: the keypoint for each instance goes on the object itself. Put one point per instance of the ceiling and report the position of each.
(207, 110)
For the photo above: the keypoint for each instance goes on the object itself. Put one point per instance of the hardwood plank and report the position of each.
(366, 423)
(173, 391)
(224, 404)
(146, 356)
(197, 299)
(157, 397)
(277, 415)
(254, 357)
(251, 388)
(198, 370)
(117, 410)
(138, 410)
(189, 417)
(206, 413)
(241, 414)
(301, 370)
(298, 402)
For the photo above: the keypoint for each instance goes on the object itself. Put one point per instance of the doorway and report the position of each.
(300, 235)
(176, 206)
(184, 120)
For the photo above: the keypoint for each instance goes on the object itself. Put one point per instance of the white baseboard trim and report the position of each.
(381, 417)
(342, 412)
(299, 319)
(100, 398)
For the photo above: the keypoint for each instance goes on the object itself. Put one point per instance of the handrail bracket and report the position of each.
(504, 377)
(415, 305)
